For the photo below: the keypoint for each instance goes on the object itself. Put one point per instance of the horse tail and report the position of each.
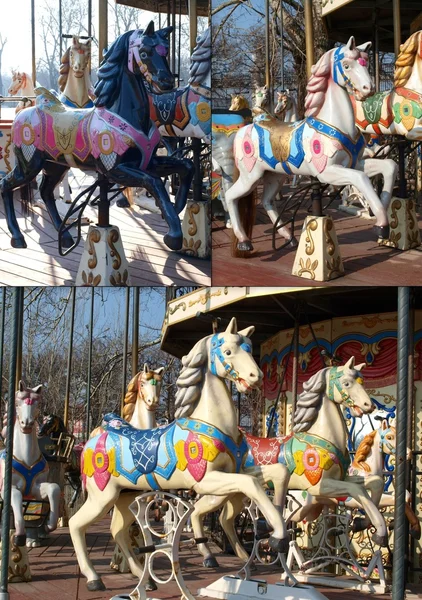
(27, 197)
(247, 214)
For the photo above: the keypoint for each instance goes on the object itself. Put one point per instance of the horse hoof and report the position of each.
(229, 225)
(359, 524)
(281, 546)
(174, 242)
(123, 203)
(381, 540)
(245, 246)
(18, 242)
(96, 586)
(19, 540)
(415, 533)
(382, 231)
(150, 585)
(211, 563)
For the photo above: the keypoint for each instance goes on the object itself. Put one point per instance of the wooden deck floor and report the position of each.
(55, 572)
(150, 261)
(365, 262)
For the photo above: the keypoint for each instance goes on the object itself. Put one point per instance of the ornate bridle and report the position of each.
(334, 377)
(384, 442)
(338, 70)
(216, 353)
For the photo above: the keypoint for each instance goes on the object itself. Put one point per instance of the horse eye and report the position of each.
(228, 352)
(347, 384)
(144, 55)
(346, 66)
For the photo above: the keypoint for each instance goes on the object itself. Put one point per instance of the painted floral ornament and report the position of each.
(99, 463)
(249, 156)
(312, 462)
(406, 112)
(194, 452)
(318, 149)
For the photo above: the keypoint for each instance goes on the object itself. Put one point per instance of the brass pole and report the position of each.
(267, 45)
(135, 330)
(193, 25)
(309, 36)
(20, 339)
(103, 28)
(125, 345)
(397, 27)
(34, 68)
(69, 356)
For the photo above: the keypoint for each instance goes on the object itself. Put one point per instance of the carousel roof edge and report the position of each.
(162, 6)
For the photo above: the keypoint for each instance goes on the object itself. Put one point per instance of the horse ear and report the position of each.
(37, 389)
(247, 332)
(360, 367)
(351, 44)
(350, 363)
(166, 31)
(364, 47)
(159, 370)
(75, 40)
(150, 28)
(384, 424)
(22, 386)
(146, 368)
(232, 326)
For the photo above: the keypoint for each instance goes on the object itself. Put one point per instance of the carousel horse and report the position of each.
(75, 85)
(261, 101)
(29, 467)
(21, 85)
(202, 450)
(325, 145)
(112, 138)
(286, 108)
(399, 110)
(313, 458)
(238, 102)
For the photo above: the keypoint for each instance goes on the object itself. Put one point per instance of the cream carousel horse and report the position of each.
(238, 102)
(398, 111)
(74, 80)
(325, 145)
(286, 108)
(21, 85)
(261, 101)
(202, 450)
(313, 458)
(29, 467)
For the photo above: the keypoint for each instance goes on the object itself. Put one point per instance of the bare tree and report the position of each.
(3, 42)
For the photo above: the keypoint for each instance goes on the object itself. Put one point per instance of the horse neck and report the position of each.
(143, 418)
(330, 424)
(375, 457)
(415, 80)
(25, 445)
(216, 406)
(76, 89)
(291, 112)
(132, 103)
(337, 109)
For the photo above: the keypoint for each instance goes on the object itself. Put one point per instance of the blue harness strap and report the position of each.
(29, 473)
(353, 147)
(216, 352)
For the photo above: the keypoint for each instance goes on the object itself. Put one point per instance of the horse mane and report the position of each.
(130, 397)
(406, 60)
(200, 58)
(309, 401)
(191, 379)
(363, 450)
(318, 84)
(107, 88)
(64, 70)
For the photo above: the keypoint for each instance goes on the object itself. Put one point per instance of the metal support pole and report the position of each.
(34, 67)
(135, 330)
(316, 200)
(61, 28)
(18, 375)
(267, 45)
(69, 355)
(17, 300)
(282, 44)
(103, 28)
(125, 345)
(193, 25)
(89, 29)
(309, 36)
(397, 27)
(400, 537)
(376, 52)
(238, 406)
(88, 382)
(3, 316)
(295, 365)
(173, 37)
(103, 204)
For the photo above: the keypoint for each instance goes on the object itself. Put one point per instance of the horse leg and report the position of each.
(375, 485)
(53, 173)
(339, 176)
(22, 174)
(272, 184)
(52, 492)
(224, 484)
(17, 508)
(227, 520)
(388, 169)
(164, 166)
(95, 507)
(203, 506)
(128, 176)
(242, 188)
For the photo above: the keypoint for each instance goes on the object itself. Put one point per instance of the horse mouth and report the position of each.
(245, 386)
(358, 411)
(78, 74)
(26, 429)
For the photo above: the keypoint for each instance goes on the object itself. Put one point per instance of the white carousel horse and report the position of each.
(29, 467)
(22, 85)
(261, 101)
(325, 145)
(202, 450)
(286, 108)
(313, 458)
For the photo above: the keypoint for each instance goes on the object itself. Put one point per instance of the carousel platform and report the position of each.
(55, 572)
(150, 261)
(365, 263)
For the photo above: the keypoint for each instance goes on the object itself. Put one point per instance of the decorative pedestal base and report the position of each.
(103, 261)
(234, 588)
(404, 230)
(318, 254)
(196, 229)
(19, 570)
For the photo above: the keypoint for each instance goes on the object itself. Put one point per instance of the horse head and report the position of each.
(52, 424)
(79, 55)
(345, 386)
(149, 386)
(231, 358)
(148, 50)
(262, 96)
(27, 402)
(349, 69)
(387, 438)
(18, 82)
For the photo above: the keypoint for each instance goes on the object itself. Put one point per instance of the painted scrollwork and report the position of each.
(312, 225)
(328, 227)
(193, 210)
(112, 239)
(89, 280)
(395, 206)
(94, 237)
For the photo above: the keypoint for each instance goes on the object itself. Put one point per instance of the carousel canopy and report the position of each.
(165, 6)
(190, 317)
(344, 18)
